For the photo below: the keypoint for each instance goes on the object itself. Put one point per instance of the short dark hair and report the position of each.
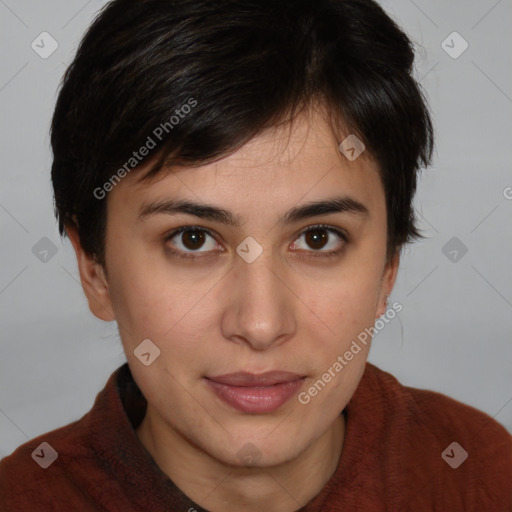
(248, 65)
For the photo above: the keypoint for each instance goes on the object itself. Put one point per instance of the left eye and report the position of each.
(319, 237)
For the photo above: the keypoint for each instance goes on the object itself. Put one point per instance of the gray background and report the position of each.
(454, 332)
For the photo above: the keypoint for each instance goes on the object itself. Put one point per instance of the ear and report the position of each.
(387, 283)
(94, 281)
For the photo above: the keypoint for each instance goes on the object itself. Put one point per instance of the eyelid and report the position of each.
(205, 254)
(177, 231)
(341, 232)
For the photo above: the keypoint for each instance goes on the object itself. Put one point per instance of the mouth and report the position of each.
(255, 394)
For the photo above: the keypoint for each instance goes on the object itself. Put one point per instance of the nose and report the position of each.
(261, 310)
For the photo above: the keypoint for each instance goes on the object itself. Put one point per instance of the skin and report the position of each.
(288, 310)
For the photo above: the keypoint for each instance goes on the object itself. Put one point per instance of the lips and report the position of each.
(252, 380)
(255, 394)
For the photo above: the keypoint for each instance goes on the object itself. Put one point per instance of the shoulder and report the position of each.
(435, 411)
(66, 465)
(41, 469)
(456, 451)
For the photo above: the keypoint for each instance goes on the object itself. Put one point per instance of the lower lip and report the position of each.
(256, 400)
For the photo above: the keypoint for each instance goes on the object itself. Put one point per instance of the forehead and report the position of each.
(283, 163)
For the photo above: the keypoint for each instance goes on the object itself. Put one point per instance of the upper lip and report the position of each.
(252, 379)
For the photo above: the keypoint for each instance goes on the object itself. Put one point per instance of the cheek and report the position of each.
(347, 305)
(175, 314)
(340, 357)
(350, 297)
(141, 301)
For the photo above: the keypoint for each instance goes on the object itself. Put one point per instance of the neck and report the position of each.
(285, 488)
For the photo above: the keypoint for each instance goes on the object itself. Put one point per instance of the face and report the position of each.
(269, 291)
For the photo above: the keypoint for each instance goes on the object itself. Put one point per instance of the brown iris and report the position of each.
(316, 237)
(193, 239)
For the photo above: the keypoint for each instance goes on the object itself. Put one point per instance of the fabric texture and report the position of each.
(397, 456)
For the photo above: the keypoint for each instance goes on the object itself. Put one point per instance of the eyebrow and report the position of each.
(341, 204)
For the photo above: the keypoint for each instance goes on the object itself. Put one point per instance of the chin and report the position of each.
(263, 453)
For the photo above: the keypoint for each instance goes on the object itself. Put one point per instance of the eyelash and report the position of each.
(322, 254)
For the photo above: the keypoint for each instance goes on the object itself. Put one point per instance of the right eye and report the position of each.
(189, 240)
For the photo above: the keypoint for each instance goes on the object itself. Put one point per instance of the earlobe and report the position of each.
(93, 279)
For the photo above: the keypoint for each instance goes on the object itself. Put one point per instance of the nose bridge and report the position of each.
(261, 312)
(259, 285)
(258, 273)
